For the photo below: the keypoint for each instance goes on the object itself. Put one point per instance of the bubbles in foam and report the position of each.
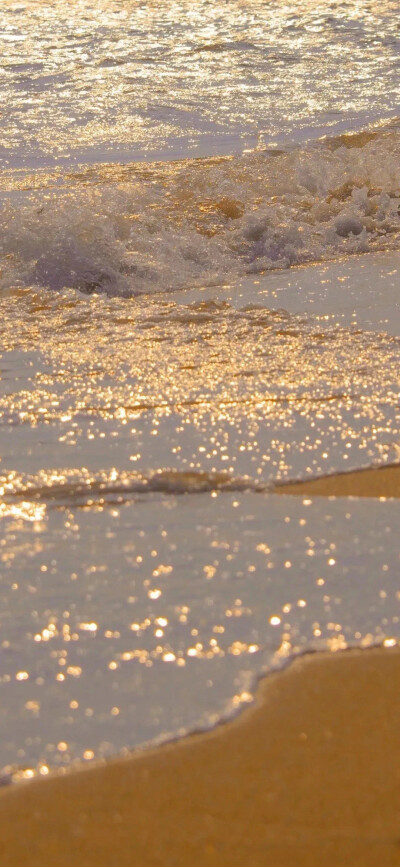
(201, 222)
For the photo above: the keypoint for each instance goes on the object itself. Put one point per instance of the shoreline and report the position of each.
(308, 774)
(377, 482)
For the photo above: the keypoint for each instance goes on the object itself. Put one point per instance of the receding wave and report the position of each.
(78, 488)
(134, 229)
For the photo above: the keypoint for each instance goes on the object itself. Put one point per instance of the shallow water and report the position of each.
(126, 624)
(148, 574)
(177, 337)
(118, 394)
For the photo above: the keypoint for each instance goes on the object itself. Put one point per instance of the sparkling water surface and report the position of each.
(109, 80)
(149, 573)
(126, 624)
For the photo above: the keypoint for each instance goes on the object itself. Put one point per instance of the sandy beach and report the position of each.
(379, 482)
(307, 775)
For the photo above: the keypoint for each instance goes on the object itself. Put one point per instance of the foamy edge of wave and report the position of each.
(203, 222)
(247, 695)
(86, 489)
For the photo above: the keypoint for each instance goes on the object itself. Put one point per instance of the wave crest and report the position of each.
(174, 226)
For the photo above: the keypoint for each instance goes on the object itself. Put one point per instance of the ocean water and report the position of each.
(109, 80)
(199, 299)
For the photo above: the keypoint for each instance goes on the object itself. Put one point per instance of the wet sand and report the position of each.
(374, 482)
(309, 775)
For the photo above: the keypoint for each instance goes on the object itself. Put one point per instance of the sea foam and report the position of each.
(136, 229)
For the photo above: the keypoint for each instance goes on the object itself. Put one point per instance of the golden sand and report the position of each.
(309, 776)
(379, 482)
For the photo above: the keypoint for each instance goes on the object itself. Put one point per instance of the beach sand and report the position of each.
(308, 775)
(374, 482)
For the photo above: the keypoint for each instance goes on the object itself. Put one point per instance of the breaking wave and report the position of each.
(138, 229)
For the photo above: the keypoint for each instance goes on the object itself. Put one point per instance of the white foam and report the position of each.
(203, 222)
